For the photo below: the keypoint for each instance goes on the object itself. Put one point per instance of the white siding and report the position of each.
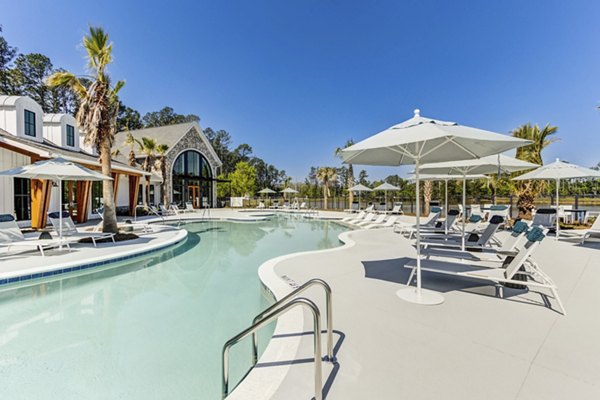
(9, 159)
(123, 195)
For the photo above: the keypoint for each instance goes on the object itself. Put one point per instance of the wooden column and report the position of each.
(40, 201)
(116, 180)
(84, 195)
(134, 187)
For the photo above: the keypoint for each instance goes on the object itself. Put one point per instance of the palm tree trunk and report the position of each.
(325, 195)
(350, 184)
(110, 214)
(427, 193)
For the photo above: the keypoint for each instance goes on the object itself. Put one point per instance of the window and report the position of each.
(22, 199)
(70, 135)
(192, 178)
(29, 123)
(151, 200)
(96, 195)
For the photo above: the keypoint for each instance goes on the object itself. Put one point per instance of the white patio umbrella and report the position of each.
(386, 187)
(289, 190)
(267, 191)
(420, 140)
(556, 171)
(56, 169)
(360, 188)
(497, 163)
(446, 178)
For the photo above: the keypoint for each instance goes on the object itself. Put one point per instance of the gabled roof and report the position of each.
(47, 149)
(169, 135)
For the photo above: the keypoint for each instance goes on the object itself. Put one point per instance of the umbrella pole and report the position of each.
(60, 228)
(418, 295)
(557, 215)
(446, 206)
(464, 193)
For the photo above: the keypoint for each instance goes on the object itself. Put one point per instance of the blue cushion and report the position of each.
(498, 208)
(546, 211)
(56, 215)
(436, 209)
(6, 218)
(520, 227)
(535, 235)
(475, 218)
(453, 212)
(496, 219)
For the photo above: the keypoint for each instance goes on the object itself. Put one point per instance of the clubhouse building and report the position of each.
(28, 135)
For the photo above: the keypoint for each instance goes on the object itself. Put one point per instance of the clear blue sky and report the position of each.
(296, 78)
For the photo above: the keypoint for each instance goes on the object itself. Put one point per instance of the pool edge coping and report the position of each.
(293, 321)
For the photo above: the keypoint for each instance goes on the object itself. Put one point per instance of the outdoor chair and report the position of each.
(260, 205)
(545, 217)
(397, 209)
(359, 216)
(387, 224)
(583, 234)
(11, 236)
(411, 229)
(368, 218)
(473, 241)
(476, 210)
(518, 271)
(498, 254)
(380, 218)
(353, 207)
(70, 231)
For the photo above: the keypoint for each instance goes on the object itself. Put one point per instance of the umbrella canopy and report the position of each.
(556, 171)
(386, 186)
(267, 191)
(497, 163)
(485, 165)
(56, 169)
(289, 190)
(360, 188)
(420, 140)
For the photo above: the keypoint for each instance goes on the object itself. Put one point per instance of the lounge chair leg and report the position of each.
(410, 278)
(501, 291)
(560, 304)
(93, 241)
(41, 249)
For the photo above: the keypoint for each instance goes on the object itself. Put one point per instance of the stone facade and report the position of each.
(190, 141)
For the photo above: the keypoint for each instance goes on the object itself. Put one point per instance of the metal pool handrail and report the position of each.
(301, 301)
(283, 300)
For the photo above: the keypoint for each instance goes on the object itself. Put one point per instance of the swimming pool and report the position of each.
(149, 329)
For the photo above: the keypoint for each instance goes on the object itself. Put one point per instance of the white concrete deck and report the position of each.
(472, 346)
(24, 264)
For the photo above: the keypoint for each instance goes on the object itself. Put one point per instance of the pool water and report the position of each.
(149, 329)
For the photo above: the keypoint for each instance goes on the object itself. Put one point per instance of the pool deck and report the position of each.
(472, 346)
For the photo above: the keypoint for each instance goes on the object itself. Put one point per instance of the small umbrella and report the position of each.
(556, 171)
(267, 191)
(288, 190)
(484, 165)
(421, 140)
(446, 178)
(56, 169)
(386, 187)
(360, 188)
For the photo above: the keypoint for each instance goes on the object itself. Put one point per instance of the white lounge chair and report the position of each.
(472, 241)
(387, 224)
(70, 231)
(11, 236)
(404, 227)
(368, 218)
(167, 211)
(545, 217)
(519, 230)
(260, 205)
(380, 218)
(353, 207)
(521, 265)
(360, 215)
(397, 209)
(583, 234)
(476, 210)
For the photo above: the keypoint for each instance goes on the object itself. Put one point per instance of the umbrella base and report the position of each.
(424, 296)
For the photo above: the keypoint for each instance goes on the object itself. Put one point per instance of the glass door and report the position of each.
(194, 195)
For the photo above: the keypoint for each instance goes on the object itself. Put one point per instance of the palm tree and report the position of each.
(97, 113)
(161, 165)
(350, 177)
(131, 141)
(529, 190)
(148, 148)
(427, 193)
(326, 175)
